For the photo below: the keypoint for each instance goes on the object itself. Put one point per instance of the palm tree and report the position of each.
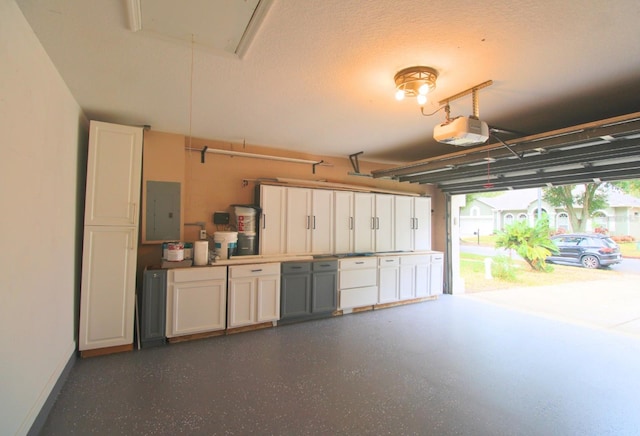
(533, 244)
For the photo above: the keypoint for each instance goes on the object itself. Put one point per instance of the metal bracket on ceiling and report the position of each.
(202, 153)
(313, 166)
(518, 155)
(354, 161)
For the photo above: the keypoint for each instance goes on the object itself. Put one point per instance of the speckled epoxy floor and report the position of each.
(449, 367)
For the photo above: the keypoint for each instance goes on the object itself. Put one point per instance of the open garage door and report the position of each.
(602, 151)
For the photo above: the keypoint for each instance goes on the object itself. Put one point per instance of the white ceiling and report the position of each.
(318, 75)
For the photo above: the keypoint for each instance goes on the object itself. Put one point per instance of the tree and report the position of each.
(533, 244)
(580, 204)
(631, 187)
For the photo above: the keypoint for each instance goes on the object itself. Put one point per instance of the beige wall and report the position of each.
(218, 183)
(41, 127)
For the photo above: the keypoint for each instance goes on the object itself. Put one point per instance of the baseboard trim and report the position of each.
(41, 418)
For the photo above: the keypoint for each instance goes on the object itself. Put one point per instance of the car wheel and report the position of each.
(590, 261)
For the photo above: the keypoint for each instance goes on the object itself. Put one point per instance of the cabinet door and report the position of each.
(422, 226)
(388, 281)
(407, 282)
(322, 221)
(325, 291)
(268, 294)
(108, 287)
(295, 299)
(114, 167)
(437, 274)
(152, 305)
(423, 284)
(272, 220)
(384, 223)
(364, 222)
(242, 301)
(299, 220)
(198, 307)
(343, 222)
(404, 223)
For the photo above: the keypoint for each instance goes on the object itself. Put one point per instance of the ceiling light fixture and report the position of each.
(415, 82)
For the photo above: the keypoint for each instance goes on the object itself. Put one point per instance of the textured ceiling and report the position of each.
(318, 75)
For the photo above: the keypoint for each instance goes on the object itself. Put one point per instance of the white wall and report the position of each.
(40, 127)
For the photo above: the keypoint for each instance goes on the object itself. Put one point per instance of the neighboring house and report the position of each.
(487, 215)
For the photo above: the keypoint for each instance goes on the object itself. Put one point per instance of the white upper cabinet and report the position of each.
(384, 223)
(364, 222)
(343, 221)
(309, 221)
(322, 221)
(405, 223)
(273, 202)
(298, 219)
(113, 175)
(422, 223)
(412, 223)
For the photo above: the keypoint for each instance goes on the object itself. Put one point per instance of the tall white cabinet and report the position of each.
(412, 223)
(112, 207)
(309, 221)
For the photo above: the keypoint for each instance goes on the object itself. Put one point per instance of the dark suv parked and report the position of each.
(589, 250)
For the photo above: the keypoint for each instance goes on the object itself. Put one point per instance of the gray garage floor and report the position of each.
(456, 366)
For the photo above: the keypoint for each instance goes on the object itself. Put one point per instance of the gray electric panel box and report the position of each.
(163, 211)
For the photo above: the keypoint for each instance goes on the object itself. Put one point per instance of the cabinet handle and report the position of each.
(296, 267)
(377, 223)
(389, 260)
(359, 263)
(256, 270)
(264, 221)
(350, 223)
(373, 223)
(131, 240)
(416, 223)
(325, 264)
(308, 222)
(314, 222)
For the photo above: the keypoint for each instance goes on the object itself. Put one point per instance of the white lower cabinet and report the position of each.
(437, 274)
(357, 282)
(388, 279)
(254, 294)
(196, 300)
(414, 276)
(108, 287)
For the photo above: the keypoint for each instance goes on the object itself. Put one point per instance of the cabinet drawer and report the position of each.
(296, 267)
(358, 278)
(198, 274)
(358, 297)
(388, 261)
(254, 270)
(415, 259)
(359, 263)
(437, 258)
(325, 265)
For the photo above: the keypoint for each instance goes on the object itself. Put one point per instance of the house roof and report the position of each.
(521, 199)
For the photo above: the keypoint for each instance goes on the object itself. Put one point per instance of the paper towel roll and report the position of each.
(201, 253)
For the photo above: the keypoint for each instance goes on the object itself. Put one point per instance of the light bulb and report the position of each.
(422, 99)
(424, 89)
(399, 94)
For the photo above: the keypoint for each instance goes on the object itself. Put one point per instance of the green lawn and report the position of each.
(473, 271)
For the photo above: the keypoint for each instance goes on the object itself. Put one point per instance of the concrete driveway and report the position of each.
(612, 304)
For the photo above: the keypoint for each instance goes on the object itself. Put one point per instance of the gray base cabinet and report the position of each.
(308, 290)
(152, 308)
